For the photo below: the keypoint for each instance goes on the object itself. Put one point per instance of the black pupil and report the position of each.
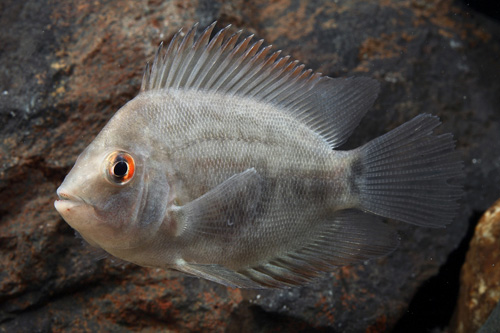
(120, 169)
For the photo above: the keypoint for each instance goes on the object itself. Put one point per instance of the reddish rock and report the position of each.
(480, 276)
(66, 67)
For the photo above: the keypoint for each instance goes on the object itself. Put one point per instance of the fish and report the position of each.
(227, 166)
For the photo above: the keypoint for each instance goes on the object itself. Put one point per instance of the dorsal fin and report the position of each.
(331, 107)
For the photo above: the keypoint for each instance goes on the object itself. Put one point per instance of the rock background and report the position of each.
(480, 276)
(66, 67)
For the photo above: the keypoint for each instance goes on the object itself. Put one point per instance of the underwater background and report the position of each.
(67, 66)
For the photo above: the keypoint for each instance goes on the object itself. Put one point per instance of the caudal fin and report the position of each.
(405, 174)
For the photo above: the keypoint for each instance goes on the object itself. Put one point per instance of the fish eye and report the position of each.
(120, 167)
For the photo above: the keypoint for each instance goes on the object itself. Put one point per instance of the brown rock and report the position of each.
(480, 276)
(67, 66)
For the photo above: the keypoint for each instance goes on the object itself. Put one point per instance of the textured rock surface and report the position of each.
(65, 67)
(492, 324)
(480, 277)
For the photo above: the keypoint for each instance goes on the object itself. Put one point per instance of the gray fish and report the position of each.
(226, 166)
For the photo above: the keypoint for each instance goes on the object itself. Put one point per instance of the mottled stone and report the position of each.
(480, 276)
(492, 324)
(67, 66)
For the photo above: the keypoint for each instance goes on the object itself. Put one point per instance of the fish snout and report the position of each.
(66, 200)
(65, 195)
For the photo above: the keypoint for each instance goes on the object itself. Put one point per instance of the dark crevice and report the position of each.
(434, 302)
(489, 8)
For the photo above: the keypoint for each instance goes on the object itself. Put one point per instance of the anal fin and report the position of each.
(219, 274)
(348, 238)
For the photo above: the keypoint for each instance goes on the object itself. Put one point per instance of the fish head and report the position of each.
(116, 194)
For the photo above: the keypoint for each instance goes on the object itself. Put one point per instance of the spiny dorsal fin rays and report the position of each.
(249, 69)
(331, 107)
(155, 70)
(178, 63)
(211, 54)
(183, 55)
(151, 75)
(273, 79)
(223, 67)
(256, 74)
(267, 74)
(238, 70)
(217, 69)
(206, 54)
(194, 56)
(231, 64)
(284, 80)
(167, 60)
(145, 77)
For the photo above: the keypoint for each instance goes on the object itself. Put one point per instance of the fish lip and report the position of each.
(67, 202)
(66, 196)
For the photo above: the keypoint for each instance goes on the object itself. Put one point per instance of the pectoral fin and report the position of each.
(226, 208)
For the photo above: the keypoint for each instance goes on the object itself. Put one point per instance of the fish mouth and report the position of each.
(66, 200)
(78, 213)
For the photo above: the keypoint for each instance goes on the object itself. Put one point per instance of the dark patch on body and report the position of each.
(314, 190)
(354, 175)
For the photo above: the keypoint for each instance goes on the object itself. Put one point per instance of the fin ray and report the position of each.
(404, 174)
(221, 211)
(219, 274)
(334, 107)
(347, 238)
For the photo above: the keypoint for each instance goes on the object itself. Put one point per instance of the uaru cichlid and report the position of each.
(227, 166)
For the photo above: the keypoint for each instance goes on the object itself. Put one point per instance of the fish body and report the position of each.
(226, 167)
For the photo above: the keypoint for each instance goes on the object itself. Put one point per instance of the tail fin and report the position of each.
(404, 174)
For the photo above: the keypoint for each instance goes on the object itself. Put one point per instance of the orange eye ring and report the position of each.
(120, 167)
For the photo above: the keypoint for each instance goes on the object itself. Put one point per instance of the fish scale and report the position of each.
(227, 166)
